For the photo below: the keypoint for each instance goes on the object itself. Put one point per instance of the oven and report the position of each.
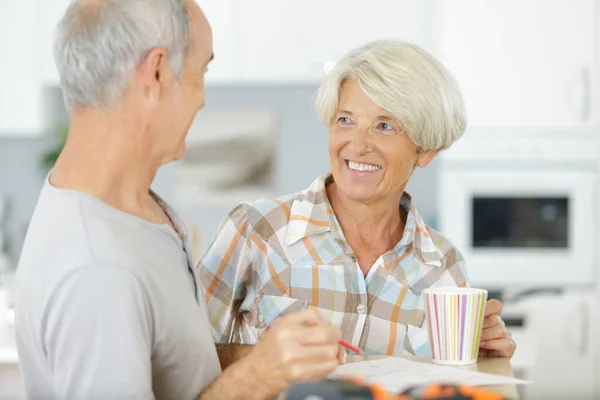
(523, 205)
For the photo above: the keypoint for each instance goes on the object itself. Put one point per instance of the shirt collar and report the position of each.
(418, 234)
(312, 214)
(309, 213)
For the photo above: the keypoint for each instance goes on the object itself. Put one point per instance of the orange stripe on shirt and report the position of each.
(424, 231)
(309, 220)
(315, 286)
(261, 245)
(284, 207)
(311, 250)
(394, 320)
(393, 264)
(315, 271)
(217, 278)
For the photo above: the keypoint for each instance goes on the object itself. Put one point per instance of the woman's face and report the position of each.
(371, 156)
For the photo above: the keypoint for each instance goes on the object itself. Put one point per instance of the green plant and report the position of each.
(50, 158)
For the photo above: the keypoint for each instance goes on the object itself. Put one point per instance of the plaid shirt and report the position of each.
(273, 257)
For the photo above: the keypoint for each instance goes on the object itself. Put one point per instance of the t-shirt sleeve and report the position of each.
(97, 334)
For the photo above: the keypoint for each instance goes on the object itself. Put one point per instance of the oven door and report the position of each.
(522, 228)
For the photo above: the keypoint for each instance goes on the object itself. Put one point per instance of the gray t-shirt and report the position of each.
(108, 306)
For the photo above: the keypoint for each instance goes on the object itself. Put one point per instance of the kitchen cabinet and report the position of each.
(11, 384)
(565, 336)
(522, 63)
(20, 78)
(290, 42)
(222, 16)
(532, 63)
(556, 343)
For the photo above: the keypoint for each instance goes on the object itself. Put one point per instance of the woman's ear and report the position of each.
(423, 159)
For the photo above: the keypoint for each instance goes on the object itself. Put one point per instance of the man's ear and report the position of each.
(152, 72)
(425, 158)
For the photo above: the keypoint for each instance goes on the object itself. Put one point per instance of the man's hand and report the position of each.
(298, 347)
(496, 340)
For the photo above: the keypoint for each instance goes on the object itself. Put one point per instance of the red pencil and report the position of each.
(342, 342)
(350, 346)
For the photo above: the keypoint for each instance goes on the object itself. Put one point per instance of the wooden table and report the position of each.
(497, 366)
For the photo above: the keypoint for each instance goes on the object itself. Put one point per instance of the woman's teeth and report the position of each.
(363, 167)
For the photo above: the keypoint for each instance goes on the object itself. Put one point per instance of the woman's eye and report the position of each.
(385, 127)
(344, 121)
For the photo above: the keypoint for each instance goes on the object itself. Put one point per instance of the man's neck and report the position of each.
(111, 159)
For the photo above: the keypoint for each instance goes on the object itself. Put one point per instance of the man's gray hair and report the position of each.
(406, 81)
(100, 43)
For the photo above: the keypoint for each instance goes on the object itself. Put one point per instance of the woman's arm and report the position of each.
(225, 273)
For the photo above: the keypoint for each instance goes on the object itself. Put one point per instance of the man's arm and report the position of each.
(230, 353)
(235, 383)
(293, 351)
(97, 336)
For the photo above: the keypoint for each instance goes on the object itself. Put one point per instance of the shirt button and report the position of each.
(260, 322)
(361, 308)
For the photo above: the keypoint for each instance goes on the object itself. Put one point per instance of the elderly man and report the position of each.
(108, 305)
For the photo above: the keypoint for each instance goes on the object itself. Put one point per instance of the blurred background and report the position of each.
(519, 194)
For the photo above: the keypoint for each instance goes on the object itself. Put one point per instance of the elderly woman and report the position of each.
(353, 244)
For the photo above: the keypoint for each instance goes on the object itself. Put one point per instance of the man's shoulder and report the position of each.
(70, 231)
(56, 239)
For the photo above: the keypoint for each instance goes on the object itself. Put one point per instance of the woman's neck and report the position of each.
(376, 225)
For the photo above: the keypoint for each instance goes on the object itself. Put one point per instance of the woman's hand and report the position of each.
(496, 340)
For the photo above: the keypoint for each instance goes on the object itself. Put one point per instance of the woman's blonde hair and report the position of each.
(408, 82)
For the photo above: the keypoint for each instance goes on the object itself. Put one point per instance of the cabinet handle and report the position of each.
(586, 103)
(578, 318)
(585, 328)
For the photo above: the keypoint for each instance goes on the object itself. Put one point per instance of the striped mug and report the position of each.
(455, 320)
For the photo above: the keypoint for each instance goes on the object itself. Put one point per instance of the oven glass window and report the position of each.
(529, 222)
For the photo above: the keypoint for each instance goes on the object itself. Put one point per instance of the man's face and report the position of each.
(181, 99)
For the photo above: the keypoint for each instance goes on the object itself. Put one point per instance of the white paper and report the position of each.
(398, 374)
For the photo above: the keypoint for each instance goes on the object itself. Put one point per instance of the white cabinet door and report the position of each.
(521, 62)
(564, 367)
(20, 82)
(220, 14)
(51, 11)
(289, 42)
